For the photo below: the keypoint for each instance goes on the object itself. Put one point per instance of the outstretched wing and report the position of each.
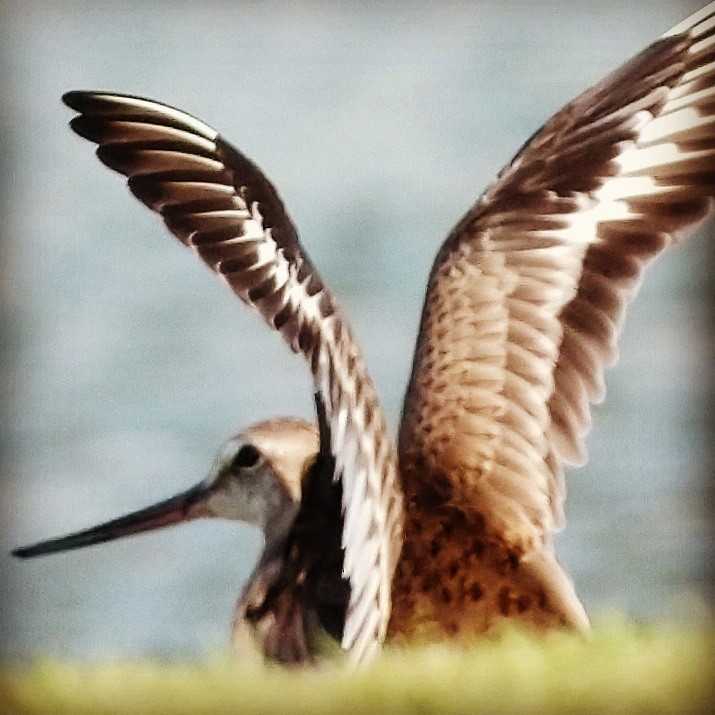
(218, 202)
(527, 294)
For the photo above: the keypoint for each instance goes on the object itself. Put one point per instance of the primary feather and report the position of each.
(527, 294)
(218, 202)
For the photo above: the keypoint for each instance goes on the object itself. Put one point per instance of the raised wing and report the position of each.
(527, 294)
(218, 202)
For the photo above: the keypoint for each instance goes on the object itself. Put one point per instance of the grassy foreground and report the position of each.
(621, 668)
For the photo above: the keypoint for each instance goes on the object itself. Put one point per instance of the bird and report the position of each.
(448, 530)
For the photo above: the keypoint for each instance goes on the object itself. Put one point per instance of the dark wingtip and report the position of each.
(87, 128)
(76, 99)
(93, 101)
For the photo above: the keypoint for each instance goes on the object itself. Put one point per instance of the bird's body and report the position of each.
(297, 589)
(454, 580)
(450, 531)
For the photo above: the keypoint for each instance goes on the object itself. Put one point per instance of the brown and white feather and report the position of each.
(527, 294)
(218, 202)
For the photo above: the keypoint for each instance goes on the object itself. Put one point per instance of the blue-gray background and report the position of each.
(125, 363)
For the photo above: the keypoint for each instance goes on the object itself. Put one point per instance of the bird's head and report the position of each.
(257, 478)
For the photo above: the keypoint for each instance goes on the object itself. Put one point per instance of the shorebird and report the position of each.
(449, 532)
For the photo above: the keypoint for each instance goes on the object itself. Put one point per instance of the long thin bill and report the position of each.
(182, 507)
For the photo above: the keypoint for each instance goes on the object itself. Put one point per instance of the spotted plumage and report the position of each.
(451, 532)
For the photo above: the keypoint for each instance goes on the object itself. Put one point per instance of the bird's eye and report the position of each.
(247, 456)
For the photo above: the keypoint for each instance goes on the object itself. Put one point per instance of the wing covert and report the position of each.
(216, 201)
(527, 294)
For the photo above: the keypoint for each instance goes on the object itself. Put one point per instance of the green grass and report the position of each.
(620, 668)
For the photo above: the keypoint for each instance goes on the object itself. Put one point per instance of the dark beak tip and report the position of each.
(22, 552)
(187, 505)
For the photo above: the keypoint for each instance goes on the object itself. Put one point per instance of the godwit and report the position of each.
(521, 316)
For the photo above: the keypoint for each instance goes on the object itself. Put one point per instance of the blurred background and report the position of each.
(125, 363)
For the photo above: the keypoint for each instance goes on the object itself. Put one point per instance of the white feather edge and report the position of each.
(354, 450)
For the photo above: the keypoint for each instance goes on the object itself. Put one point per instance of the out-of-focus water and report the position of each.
(126, 362)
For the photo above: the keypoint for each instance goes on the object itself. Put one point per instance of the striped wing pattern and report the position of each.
(218, 202)
(526, 296)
